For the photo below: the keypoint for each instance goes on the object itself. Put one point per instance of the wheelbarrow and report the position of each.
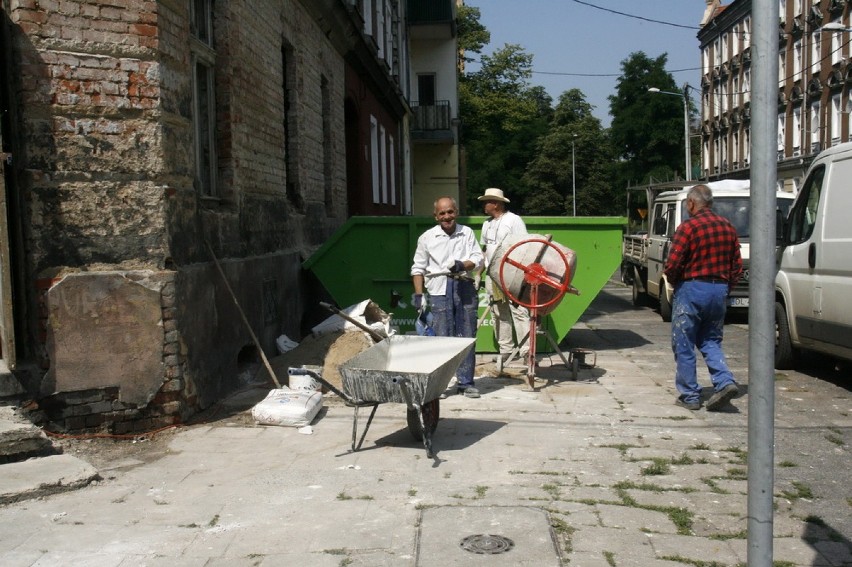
(408, 369)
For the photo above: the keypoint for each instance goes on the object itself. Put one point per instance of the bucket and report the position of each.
(305, 382)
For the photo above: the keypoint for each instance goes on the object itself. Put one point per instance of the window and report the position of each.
(835, 119)
(782, 67)
(374, 159)
(797, 131)
(782, 134)
(380, 28)
(392, 164)
(383, 164)
(735, 41)
(797, 60)
(203, 61)
(816, 51)
(746, 85)
(426, 89)
(836, 44)
(746, 32)
(368, 17)
(803, 215)
(327, 149)
(291, 170)
(814, 136)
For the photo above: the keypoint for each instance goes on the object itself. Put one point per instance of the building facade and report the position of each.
(434, 105)
(814, 80)
(168, 166)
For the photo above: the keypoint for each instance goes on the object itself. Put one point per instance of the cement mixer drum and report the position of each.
(520, 259)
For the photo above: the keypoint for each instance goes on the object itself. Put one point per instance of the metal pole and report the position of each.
(573, 180)
(761, 328)
(688, 160)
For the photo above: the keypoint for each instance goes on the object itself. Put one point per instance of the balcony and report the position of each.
(431, 19)
(432, 122)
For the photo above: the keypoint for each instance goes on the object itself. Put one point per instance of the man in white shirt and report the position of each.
(512, 321)
(451, 247)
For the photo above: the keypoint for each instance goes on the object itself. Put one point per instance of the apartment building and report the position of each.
(167, 167)
(814, 78)
(434, 103)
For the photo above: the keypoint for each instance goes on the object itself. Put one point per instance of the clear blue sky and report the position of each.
(571, 38)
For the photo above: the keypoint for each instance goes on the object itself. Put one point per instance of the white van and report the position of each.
(813, 287)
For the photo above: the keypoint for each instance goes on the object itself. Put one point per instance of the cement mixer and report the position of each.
(535, 272)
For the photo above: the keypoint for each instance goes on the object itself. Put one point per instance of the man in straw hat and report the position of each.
(511, 321)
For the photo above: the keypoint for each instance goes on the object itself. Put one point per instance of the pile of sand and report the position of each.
(328, 351)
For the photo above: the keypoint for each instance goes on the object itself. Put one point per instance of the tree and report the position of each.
(502, 119)
(574, 134)
(647, 128)
(472, 35)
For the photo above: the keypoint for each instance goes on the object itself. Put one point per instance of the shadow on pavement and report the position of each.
(602, 339)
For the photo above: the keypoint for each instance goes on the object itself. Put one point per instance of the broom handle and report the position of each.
(243, 315)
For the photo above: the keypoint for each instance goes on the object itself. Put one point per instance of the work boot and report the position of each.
(469, 392)
(722, 397)
(688, 405)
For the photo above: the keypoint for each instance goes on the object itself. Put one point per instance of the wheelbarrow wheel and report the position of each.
(431, 412)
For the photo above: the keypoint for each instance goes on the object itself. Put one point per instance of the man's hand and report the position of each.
(418, 301)
(457, 267)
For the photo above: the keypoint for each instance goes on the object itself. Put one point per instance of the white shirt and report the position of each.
(437, 251)
(494, 231)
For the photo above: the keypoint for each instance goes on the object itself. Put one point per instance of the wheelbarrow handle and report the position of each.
(375, 335)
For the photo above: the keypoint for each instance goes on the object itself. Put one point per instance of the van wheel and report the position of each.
(639, 297)
(784, 352)
(665, 306)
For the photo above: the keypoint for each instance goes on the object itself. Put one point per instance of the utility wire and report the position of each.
(634, 16)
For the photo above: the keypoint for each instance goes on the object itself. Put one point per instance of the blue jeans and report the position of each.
(454, 315)
(698, 317)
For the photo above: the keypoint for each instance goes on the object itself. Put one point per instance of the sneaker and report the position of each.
(722, 397)
(688, 405)
(469, 392)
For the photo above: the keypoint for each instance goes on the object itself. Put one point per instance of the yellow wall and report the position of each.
(436, 174)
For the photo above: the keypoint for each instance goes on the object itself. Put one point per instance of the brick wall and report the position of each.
(106, 119)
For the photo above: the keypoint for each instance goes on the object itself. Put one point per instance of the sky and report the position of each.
(571, 39)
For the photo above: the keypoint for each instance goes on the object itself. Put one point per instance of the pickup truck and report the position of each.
(644, 255)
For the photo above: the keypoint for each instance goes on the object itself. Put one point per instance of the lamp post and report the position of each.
(573, 177)
(685, 96)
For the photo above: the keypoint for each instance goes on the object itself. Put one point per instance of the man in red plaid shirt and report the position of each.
(703, 265)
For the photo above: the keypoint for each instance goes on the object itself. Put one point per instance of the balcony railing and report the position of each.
(429, 11)
(432, 117)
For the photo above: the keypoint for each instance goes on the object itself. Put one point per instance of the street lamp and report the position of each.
(573, 177)
(685, 96)
(835, 26)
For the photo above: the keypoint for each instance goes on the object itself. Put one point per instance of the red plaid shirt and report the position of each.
(705, 246)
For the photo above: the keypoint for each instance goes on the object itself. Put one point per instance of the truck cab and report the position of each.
(732, 200)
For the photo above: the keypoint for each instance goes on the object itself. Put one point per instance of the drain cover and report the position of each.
(487, 544)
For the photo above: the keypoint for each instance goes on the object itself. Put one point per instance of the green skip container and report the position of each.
(370, 258)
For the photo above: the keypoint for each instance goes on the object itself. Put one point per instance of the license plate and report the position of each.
(738, 301)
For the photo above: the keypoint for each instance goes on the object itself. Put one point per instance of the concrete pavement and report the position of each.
(604, 471)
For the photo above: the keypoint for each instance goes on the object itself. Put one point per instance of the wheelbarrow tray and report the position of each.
(427, 364)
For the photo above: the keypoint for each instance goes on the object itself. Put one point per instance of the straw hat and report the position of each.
(493, 194)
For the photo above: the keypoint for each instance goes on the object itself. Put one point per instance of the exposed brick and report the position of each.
(173, 386)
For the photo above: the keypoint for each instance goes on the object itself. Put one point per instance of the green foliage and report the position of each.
(549, 158)
(502, 119)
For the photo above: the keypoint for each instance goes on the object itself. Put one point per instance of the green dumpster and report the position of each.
(370, 258)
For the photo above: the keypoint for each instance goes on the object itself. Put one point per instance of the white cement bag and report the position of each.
(295, 408)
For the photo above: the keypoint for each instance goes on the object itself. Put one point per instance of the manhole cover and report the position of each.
(487, 544)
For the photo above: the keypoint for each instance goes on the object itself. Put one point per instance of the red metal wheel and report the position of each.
(535, 274)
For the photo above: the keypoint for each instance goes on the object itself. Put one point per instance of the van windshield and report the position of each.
(736, 210)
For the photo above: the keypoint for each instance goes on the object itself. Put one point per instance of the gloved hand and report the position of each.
(418, 301)
(457, 267)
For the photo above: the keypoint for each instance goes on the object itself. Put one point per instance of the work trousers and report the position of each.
(698, 318)
(454, 315)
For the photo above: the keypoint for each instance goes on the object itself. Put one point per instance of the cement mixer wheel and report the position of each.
(535, 274)
(431, 413)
